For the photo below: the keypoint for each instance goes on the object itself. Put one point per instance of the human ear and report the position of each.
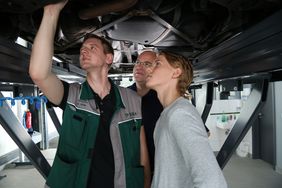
(109, 59)
(176, 73)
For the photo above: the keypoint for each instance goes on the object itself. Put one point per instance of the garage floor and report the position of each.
(239, 173)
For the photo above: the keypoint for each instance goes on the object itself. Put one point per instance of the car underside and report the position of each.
(234, 46)
(188, 27)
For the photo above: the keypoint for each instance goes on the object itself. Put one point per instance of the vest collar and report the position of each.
(86, 93)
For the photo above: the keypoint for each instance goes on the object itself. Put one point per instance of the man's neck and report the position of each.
(100, 85)
(141, 89)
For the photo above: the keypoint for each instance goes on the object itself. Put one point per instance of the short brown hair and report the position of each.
(108, 49)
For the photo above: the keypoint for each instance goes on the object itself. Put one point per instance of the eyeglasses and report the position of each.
(146, 64)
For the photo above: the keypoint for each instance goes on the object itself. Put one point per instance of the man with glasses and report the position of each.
(151, 106)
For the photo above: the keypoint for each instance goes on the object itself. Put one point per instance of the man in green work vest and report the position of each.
(102, 142)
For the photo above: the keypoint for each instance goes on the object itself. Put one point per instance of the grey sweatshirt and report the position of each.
(183, 156)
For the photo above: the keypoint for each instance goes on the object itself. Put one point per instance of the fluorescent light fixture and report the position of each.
(56, 59)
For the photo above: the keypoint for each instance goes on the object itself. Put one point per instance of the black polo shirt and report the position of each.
(151, 110)
(102, 168)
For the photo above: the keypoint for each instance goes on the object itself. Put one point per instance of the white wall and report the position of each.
(200, 98)
(223, 116)
(6, 143)
(52, 131)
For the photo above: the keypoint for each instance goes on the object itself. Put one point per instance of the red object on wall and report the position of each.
(28, 120)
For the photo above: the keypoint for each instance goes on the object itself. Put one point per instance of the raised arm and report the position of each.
(145, 159)
(42, 53)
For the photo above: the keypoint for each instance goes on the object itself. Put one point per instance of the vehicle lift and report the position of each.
(252, 56)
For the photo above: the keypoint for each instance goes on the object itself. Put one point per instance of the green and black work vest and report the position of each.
(78, 133)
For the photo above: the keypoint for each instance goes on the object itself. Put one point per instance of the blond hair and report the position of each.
(186, 77)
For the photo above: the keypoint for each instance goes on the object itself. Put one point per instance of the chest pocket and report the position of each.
(130, 137)
(74, 128)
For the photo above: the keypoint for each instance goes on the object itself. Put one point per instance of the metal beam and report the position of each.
(15, 129)
(14, 62)
(209, 100)
(54, 118)
(256, 50)
(246, 119)
(174, 30)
